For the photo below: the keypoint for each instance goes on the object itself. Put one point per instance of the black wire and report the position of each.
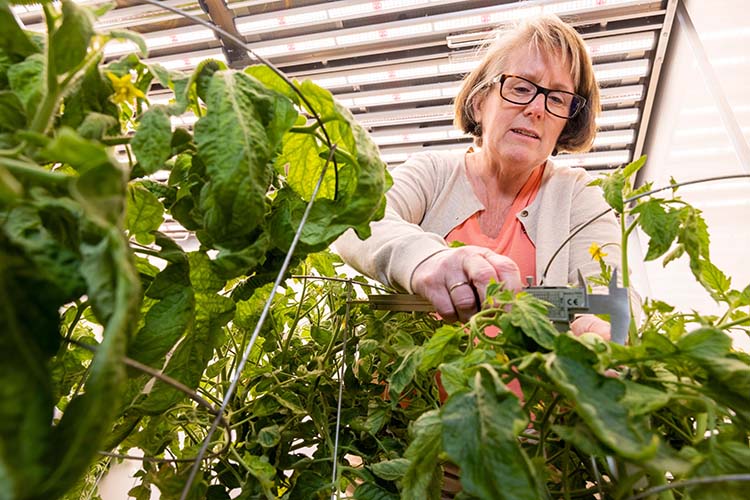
(583, 226)
(273, 68)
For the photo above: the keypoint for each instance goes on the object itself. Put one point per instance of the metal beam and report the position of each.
(222, 16)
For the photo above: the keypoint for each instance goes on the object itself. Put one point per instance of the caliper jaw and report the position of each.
(568, 302)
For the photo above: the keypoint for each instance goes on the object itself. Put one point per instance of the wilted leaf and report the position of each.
(480, 435)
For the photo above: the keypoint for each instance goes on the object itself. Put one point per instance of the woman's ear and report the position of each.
(476, 107)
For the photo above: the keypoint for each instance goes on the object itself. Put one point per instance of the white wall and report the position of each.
(688, 140)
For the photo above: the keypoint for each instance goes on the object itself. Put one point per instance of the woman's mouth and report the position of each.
(525, 132)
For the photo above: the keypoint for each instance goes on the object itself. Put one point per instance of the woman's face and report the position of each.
(523, 135)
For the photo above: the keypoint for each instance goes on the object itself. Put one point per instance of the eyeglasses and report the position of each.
(519, 90)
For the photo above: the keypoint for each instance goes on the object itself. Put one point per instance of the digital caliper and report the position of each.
(566, 303)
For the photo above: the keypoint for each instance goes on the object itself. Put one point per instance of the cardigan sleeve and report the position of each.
(398, 244)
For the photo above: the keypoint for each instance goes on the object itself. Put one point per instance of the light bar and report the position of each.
(630, 94)
(442, 133)
(446, 66)
(401, 95)
(600, 159)
(161, 39)
(188, 60)
(417, 135)
(614, 138)
(438, 24)
(614, 118)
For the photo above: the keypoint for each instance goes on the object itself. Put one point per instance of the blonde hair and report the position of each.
(550, 36)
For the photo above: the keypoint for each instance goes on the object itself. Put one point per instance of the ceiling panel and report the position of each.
(397, 64)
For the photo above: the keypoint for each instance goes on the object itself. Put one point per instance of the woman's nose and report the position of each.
(536, 105)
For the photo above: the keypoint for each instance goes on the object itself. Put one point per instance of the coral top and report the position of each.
(512, 240)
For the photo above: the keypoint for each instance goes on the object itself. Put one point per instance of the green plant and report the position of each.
(336, 396)
(81, 258)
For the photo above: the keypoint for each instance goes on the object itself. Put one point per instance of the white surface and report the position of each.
(687, 140)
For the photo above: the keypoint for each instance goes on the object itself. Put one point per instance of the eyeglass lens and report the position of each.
(558, 102)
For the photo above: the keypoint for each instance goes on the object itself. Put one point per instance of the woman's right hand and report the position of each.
(455, 280)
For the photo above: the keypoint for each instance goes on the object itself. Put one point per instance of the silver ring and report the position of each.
(456, 285)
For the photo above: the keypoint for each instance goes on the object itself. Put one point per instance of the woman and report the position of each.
(533, 94)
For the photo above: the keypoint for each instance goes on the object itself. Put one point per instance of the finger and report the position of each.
(479, 271)
(464, 299)
(443, 304)
(590, 323)
(507, 271)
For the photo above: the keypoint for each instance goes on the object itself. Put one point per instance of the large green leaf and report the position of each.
(26, 81)
(443, 342)
(69, 43)
(91, 96)
(237, 140)
(530, 315)
(362, 182)
(612, 185)
(11, 111)
(480, 435)
(598, 400)
(13, 40)
(422, 479)
(152, 141)
(145, 214)
(26, 403)
(168, 319)
(724, 458)
(660, 226)
(88, 417)
(191, 356)
(404, 374)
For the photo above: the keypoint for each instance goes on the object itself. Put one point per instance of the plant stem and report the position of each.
(35, 173)
(725, 326)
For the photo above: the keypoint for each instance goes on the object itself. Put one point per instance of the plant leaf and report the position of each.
(132, 36)
(26, 81)
(404, 374)
(152, 141)
(237, 139)
(145, 214)
(613, 185)
(423, 477)
(530, 315)
(598, 400)
(436, 348)
(480, 435)
(70, 42)
(391, 470)
(661, 226)
(12, 111)
(13, 40)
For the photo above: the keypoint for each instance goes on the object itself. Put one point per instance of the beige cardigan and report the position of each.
(431, 195)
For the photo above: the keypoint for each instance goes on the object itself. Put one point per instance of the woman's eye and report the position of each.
(556, 99)
(520, 89)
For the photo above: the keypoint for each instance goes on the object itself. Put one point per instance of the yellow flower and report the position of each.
(125, 91)
(596, 252)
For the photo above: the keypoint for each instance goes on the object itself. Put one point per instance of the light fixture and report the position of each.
(439, 24)
(446, 67)
(188, 60)
(161, 39)
(613, 118)
(614, 138)
(597, 159)
(417, 135)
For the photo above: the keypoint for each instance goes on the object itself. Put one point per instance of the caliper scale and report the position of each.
(566, 303)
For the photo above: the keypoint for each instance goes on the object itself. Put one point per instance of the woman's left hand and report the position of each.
(590, 323)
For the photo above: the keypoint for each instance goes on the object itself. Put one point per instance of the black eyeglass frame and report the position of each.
(542, 90)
